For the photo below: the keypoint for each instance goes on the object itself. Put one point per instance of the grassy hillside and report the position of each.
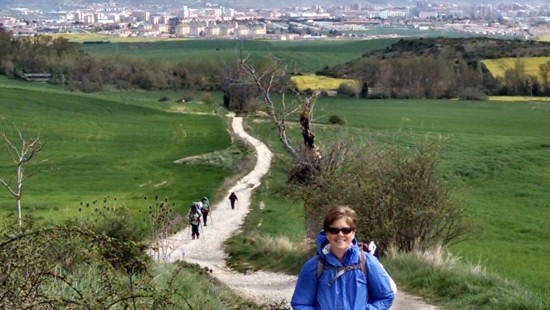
(308, 56)
(497, 162)
(495, 159)
(98, 147)
(469, 50)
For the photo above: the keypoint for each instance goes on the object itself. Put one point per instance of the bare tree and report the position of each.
(20, 154)
(272, 78)
(544, 73)
(515, 79)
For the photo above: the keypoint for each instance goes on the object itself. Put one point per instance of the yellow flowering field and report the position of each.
(319, 82)
(498, 67)
(518, 98)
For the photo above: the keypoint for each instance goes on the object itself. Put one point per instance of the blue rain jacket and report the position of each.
(350, 291)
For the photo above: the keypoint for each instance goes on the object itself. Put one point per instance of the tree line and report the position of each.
(437, 68)
(69, 66)
(442, 68)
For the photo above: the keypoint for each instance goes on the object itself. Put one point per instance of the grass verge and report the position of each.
(495, 162)
(452, 284)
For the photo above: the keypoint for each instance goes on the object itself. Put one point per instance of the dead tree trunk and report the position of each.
(309, 165)
(307, 161)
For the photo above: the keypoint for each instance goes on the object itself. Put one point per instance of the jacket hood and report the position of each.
(321, 242)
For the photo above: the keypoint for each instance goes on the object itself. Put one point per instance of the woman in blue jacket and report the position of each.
(340, 283)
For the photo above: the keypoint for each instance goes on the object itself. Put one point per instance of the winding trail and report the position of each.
(263, 287)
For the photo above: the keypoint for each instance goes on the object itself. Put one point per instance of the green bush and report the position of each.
(121, 241)
(76, 266)
(336, 119)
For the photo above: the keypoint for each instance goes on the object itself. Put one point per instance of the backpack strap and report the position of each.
(320, 266)
(341, 270)
(363, 263)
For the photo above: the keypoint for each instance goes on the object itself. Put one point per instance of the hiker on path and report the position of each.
(205, 209)
(341, 275)
(194, 216)
(233, 198)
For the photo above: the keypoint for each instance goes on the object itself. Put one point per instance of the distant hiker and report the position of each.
(205, 209)
(233, 198)
(341, 275)
(194, 216)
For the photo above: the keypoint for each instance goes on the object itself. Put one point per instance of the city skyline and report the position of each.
(59, 4)
(312, 22)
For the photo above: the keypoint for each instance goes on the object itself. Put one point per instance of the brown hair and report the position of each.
(337, 212)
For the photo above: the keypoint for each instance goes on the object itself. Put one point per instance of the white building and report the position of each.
(183, 30)
(197, 28)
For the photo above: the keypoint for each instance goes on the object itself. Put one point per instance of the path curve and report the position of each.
(263, 287)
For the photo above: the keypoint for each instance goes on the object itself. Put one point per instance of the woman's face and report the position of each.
(340, 242)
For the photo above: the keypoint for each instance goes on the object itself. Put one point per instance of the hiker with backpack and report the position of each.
(205, 209)
(342, 275)
(194, 217)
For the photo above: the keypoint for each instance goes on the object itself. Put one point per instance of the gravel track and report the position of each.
(263, 287)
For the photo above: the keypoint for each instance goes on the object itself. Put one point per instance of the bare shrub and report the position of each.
(346, 89)
(207, 98)
(78, 266)
(471, 93)
(399, 197)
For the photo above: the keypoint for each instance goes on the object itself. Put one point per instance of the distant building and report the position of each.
(257, 29)
(212, 12)
(197, 28)
(227, 28)
(142, 16)
(242, 31)
(161, 28)
(155, 19)
(427, 14)
(145, 27)
(213, 30)
(183, 30)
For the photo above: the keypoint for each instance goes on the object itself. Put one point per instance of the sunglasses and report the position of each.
(344, 230)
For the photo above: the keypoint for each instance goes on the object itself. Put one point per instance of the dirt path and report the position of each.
(208, 250)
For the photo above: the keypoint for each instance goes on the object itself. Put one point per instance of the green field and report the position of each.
(497, 160)
(298, 53)
(123, 144)
(117, 148)
(411, 32)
